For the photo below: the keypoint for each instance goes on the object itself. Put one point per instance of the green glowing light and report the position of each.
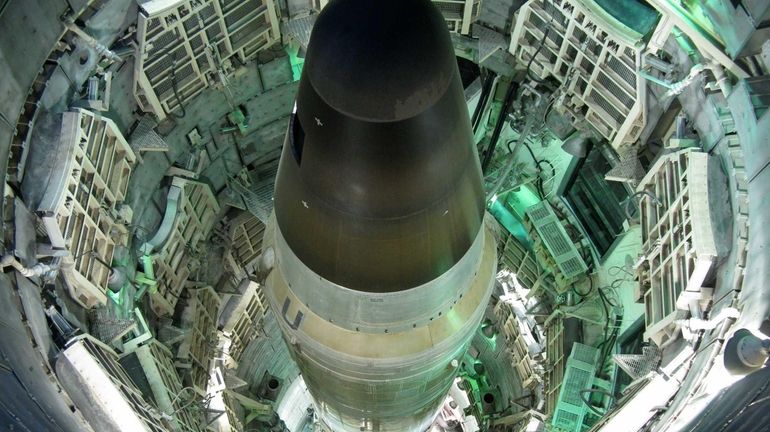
(115, 297)
(295, 61)
(634, 14)
(509, 209)
(696, 10)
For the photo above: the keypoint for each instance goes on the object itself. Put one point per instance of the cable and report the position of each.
(548, 108)
(531, 153)
(539, 183)
(631, 199)
(5, 5)
(541, 44)
(538, 162)
(607, 300)
(95, 255)
(590, 288)
(609, 342)
(588, 403)
(545, 161)
(176, 91)
(607, 317)
(617, 270)
(510, 95)
(713, 147)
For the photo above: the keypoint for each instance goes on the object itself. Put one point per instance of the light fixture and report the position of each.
(745, 352)
(576, 145)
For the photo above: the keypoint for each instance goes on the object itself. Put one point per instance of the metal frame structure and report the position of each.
(594, 56)
(523, 264)
(185, 46)
(246, 232)
(101, 388)
(197, 349)
(245, 322)
(518, 339)
(677, 239)
(458, 14)
(196, 214)
(555, 360)
(158, 365)
(79, 212)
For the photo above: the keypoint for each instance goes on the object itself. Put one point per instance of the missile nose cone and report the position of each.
(379, 186)
(380, 60)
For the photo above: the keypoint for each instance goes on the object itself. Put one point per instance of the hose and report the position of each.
(540, 46)
(501, 120)
(632, 198)
(588, 403)
(36, 270)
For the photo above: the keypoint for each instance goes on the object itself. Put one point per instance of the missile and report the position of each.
(380, 266)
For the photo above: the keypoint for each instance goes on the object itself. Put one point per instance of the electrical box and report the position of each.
(553, 235)
(578, 375)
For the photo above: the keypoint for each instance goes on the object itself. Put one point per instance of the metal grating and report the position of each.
(639, 365)
(556, 240)
(579, 379)
(299, 29)
(622, 71)
(566, 419)
(615, 90)
(606, 106)
(579, 374)
(95, 361)
(197, 211)
(678, 240)
(573, 266)
(584, 40)
(191, 41)
(583, 353)
(80, 215)
(258, 200)
(144, 137)
(538, 212)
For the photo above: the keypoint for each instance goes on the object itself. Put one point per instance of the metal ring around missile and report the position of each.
(344, 368)
(377, 312)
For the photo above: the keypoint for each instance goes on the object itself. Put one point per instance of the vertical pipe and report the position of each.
(509, 97)
(486, 90)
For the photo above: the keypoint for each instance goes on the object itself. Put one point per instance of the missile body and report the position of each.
(380, 266)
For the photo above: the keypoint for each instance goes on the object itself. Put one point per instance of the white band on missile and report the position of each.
(376, 312)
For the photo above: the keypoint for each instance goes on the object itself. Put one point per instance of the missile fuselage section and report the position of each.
(381, 267)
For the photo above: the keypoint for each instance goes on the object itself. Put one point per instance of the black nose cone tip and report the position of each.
(380, 60)
(379, 186)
